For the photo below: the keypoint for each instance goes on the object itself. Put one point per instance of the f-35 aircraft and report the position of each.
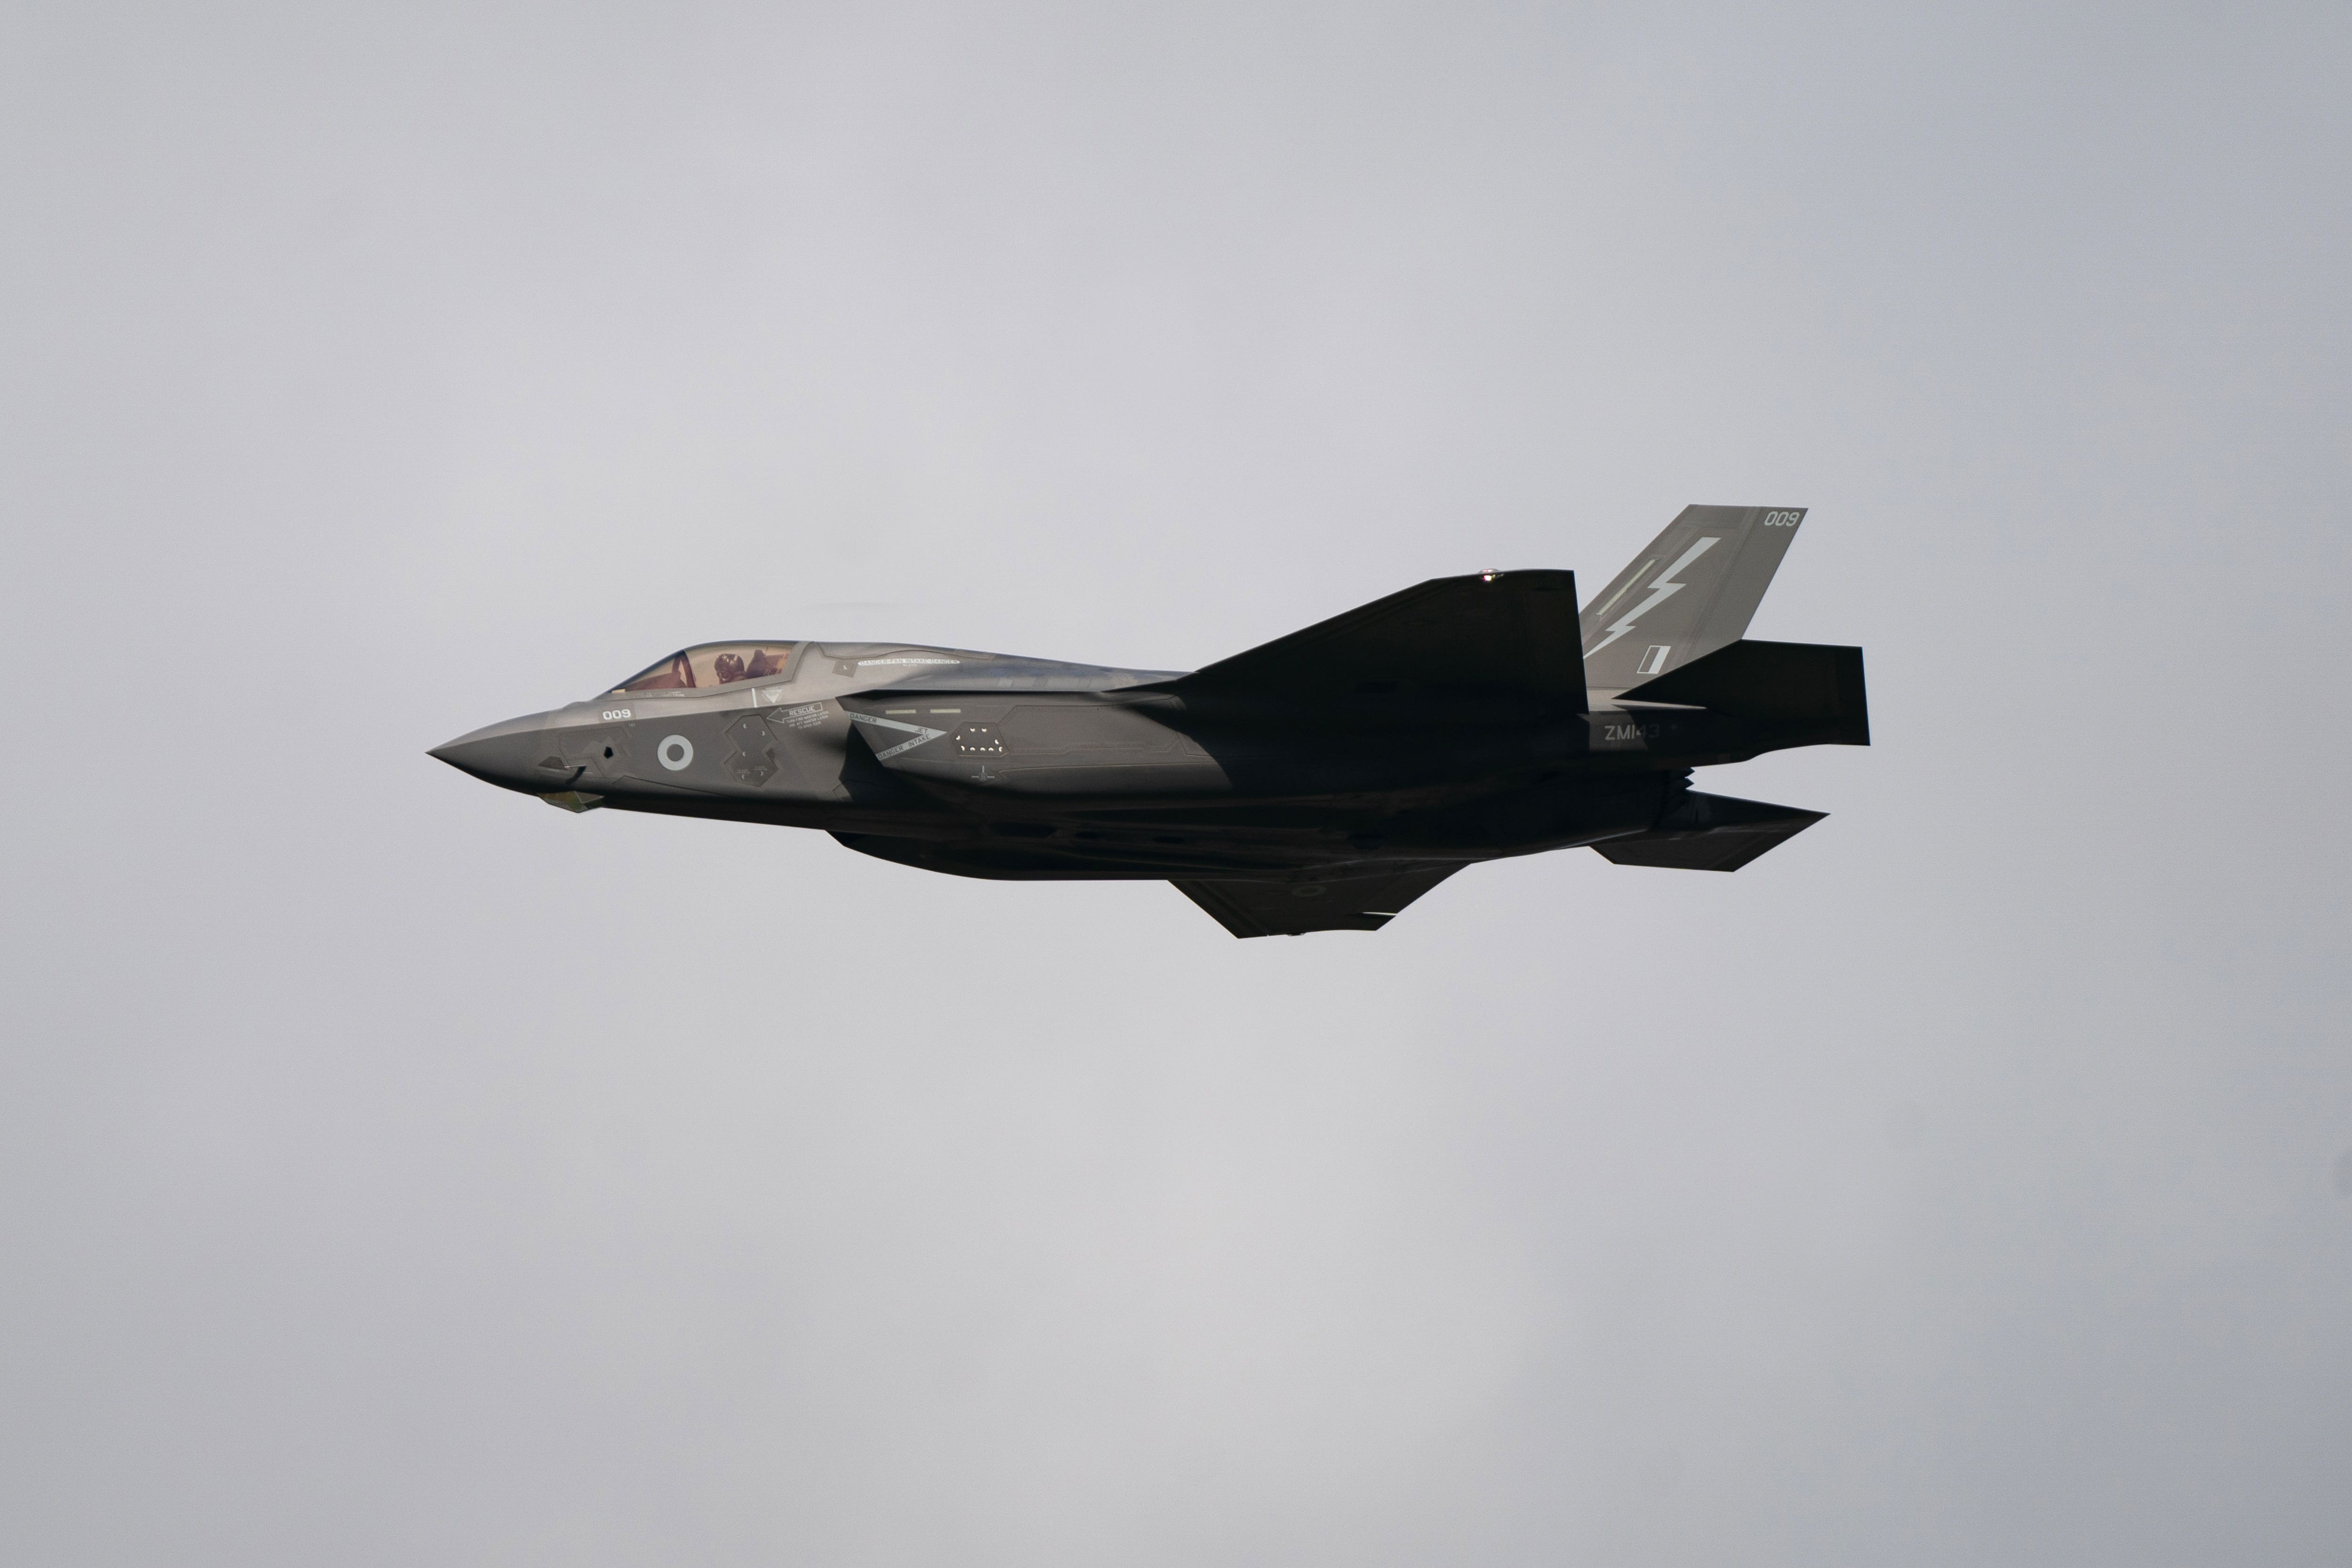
(1320, 782)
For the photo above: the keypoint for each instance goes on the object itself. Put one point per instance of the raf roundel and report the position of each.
(675, 751)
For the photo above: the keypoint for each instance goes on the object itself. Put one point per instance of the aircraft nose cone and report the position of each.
(509, 754)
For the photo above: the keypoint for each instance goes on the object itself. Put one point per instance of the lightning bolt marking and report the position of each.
(1622, 593)
(1661, 587)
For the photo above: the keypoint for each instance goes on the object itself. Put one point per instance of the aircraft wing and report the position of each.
(1294, 908)
(1511, 631)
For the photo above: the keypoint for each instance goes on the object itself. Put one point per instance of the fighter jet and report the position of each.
(1320, 782)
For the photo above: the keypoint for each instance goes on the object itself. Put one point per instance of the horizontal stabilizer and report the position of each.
(1710, 832)
(1815, 687)
(1509, 630)
(1294, 908)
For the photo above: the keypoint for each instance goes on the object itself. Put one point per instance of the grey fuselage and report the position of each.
(988, 766)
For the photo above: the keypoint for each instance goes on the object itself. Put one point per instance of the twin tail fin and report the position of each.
(1693, 590)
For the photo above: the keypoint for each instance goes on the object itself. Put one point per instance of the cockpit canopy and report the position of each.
(712, 664)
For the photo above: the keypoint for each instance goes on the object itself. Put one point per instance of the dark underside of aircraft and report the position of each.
(1320, 782)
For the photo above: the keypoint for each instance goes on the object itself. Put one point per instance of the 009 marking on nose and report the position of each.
(680, 745)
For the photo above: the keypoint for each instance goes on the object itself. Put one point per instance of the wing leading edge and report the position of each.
(1509, 630)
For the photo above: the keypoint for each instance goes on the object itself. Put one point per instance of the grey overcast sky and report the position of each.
(394, 1171)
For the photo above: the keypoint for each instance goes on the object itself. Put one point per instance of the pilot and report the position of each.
(728, 668)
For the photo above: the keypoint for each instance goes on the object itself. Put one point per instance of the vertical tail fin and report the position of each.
(1692, 591)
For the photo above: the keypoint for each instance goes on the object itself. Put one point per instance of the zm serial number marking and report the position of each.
(1632, 731)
